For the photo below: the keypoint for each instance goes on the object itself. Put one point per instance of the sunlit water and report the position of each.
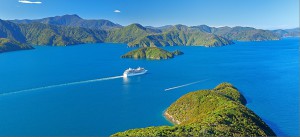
(79, 90)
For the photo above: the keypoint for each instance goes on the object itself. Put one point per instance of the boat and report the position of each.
(134, 72)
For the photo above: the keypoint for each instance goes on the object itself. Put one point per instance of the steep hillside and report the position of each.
(128, 33)
(73, 21)
(43, 34)
(11, 31)
(183, 36)
(7, 45)
(240, 33)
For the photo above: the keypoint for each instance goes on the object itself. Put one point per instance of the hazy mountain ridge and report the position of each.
(287, 32)
(240, 33)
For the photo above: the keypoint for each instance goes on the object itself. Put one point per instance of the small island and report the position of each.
(217, 112)
(152, 53)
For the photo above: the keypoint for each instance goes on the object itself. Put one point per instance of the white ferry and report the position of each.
(133, 72)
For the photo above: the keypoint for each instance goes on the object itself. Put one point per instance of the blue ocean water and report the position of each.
(267, 73)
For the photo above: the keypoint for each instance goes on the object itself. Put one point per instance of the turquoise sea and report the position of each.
(39, 96)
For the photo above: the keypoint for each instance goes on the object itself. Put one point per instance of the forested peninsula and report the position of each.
(216, 112)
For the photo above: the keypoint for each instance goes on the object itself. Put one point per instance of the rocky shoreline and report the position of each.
(171, 118)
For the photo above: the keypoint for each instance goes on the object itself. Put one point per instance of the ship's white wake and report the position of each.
(185, 85)
(61, 85)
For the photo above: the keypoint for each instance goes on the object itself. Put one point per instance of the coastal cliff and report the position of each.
(217, 112)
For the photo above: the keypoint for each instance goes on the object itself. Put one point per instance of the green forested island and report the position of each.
(71, 30)
(217, 112)
(153, 53)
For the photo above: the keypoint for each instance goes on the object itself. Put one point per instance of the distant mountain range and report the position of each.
(240, 33)
(72, 21)
(72, 30)
(287, 32)
(180, 35)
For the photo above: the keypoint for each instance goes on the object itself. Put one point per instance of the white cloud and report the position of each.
(30, 2)
(117, 11)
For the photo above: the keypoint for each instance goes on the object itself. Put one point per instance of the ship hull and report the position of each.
(134, 74)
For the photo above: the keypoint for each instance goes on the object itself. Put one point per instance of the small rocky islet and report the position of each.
(151, 53)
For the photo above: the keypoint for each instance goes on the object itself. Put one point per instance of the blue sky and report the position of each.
(265, 14)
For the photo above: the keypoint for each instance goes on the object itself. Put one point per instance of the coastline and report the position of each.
(171, 118)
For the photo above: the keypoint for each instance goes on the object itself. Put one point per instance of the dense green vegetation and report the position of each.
(216, 112)
(245, 34)
(128, 34)
(71, 30)
(231, 92)
(72, 21)
(152, 53)
(240, 33)
(181, 35)
(44, 34)
(12, 45)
